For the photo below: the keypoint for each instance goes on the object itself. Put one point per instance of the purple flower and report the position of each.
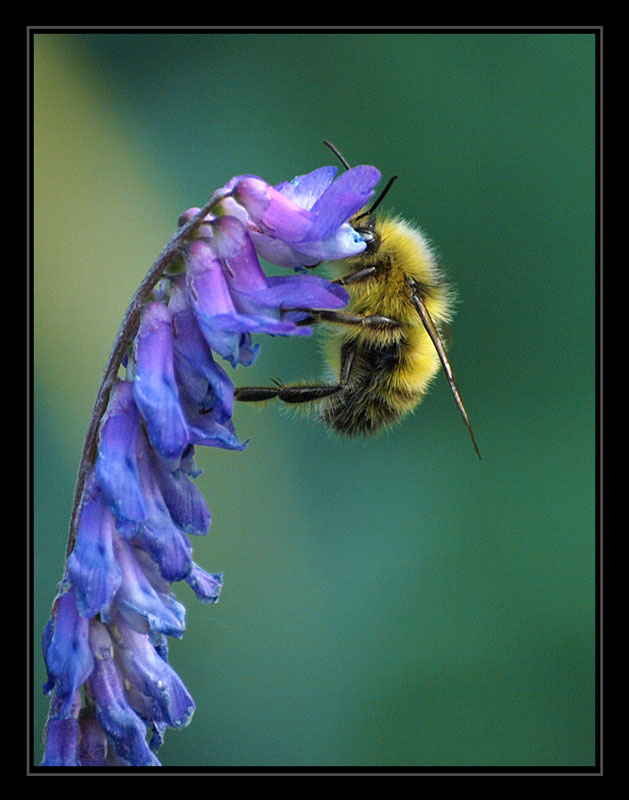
(205, 382)
(206, 587)
(155, 386)
(113, 693)
(157, 689)
(120, 722)
(170, 413)
(93, 568)
(62, 735)
(233, 298)
(69, 659)
(117, 462)
(303, 221)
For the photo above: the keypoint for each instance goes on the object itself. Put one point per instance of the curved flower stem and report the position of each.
(125, 337)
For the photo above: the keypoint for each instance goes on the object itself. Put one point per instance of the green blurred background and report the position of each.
(388, 602)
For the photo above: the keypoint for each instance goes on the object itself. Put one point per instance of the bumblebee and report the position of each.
(386, 345)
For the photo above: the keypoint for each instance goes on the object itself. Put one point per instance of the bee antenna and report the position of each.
(382, 194)
(337, 153)
(344, 162)
(379, 199)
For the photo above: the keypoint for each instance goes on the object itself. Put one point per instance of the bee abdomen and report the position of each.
(358, 417)
(371, 399)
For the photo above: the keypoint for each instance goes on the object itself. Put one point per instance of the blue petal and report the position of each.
(206, 431)
(305, 190)
(232, 345)
(225, 331)
(158, 533)
(187, 462)
(347, 195)
(247, 351)
(273, 212)
(224, 335)
(160, 643)
(119, 721)
(344, 243)
(224, 299)
(281, 254)
(92, 566)
(157, 730)
(116, 465)
(300, 291)
(67, 653)
(46, 639)
(150, 675)
(205, 382)
(93, 743)
(237, 255)
(185, 503)
(155, 386)
(206, 586)
(169, 547)
(62, 736)
(140, 604)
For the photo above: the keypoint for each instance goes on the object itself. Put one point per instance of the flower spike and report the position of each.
(113, 693)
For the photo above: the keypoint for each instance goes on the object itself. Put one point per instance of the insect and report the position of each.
(386, 345)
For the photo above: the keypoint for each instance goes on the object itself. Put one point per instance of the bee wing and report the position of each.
(431, 330)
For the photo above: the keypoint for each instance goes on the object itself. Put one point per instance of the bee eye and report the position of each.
(366, 235)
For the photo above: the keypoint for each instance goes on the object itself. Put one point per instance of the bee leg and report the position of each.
(294, 394)
(357, 276)
(433, 333)
(344, 318)
(352, 277)
(287, 394)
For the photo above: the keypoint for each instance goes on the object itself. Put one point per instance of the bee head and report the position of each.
(364, 222)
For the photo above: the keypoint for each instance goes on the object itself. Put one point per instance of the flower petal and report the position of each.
(223, 328)
(145, 670)
(344, 243)
(93, 744)
(279, 253)
(236, 252)
(119, 721)
(92, 566)
(207, 587)
(155, 385)
(186, 505)
(140, 604)
(345, 196)
(305, 190)
(299, 291)
(62, 737)
(205, 382)
(158, 534)
(206, 431)
(272, 211)
(116, 465)
(66, 651)
(222, 319)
